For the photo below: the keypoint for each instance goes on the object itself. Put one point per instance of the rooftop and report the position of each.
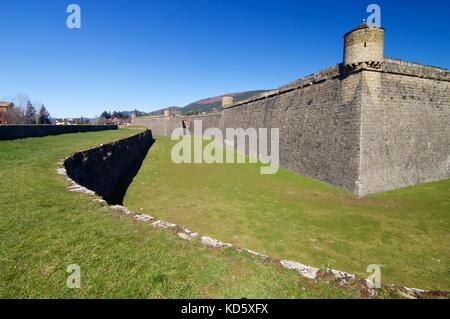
(6, 104)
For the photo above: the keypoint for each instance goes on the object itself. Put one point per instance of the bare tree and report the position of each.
(24, 111)
(20, 102)
(14, 115)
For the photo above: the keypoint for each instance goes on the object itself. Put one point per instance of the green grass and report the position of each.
(44, 228)
(290, 216)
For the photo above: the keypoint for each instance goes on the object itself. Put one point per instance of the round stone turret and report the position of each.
(227, 100)
(364, 47)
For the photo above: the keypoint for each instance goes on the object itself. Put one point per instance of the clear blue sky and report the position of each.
(152, 54)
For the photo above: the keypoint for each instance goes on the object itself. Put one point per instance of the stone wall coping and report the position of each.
(400, 61)
(18, 131)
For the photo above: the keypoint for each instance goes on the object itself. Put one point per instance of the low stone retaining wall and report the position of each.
(11, 132)
(108, 169)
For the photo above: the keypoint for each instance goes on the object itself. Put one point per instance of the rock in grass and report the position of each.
(304, 270)
(163, 224)
(143, 218)
(208, 241)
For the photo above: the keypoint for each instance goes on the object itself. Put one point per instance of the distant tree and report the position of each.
(82, 121)
(106, 115)
(120, 115)
(100, 120)
(24, 111)
(44, 116)
(14, 115)
(19, 100)
(30, 114)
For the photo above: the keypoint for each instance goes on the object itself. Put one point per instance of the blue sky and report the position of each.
(153, 54)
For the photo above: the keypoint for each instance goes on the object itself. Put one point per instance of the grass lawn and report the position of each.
(293, 217)
(44, 228)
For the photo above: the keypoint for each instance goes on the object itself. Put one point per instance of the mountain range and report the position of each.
(209, 104)
(204, 105)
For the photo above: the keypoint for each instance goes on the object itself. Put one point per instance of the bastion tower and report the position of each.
(364, 47)
(227, 100)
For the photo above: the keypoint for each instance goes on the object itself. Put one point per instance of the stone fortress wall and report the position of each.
(369, 124)
(160, 125)
(405, 128)
(319, 125)
(164, 125)
(208, 121)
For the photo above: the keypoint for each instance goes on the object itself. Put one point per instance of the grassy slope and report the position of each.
(44, 228)
(289, 216)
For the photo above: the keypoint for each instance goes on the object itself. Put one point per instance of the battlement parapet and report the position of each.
(402, 67)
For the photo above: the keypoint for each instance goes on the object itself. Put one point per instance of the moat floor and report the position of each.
(293, 217)
(44, 228)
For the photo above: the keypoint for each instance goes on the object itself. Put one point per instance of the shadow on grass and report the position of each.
(117, 195)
